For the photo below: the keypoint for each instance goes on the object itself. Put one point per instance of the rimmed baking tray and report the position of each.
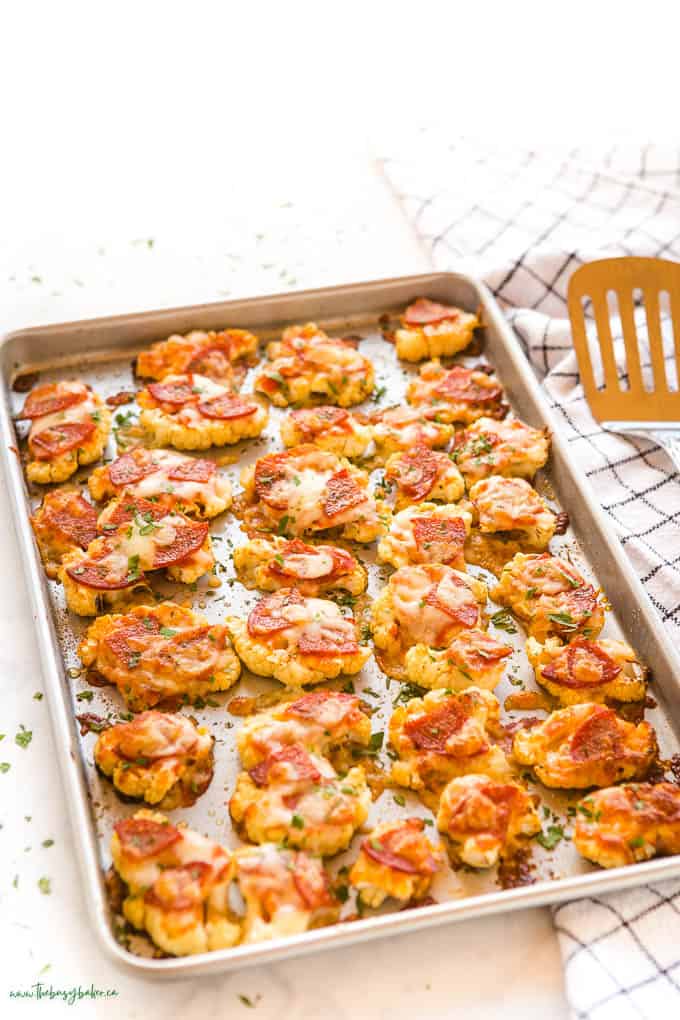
(100, 351)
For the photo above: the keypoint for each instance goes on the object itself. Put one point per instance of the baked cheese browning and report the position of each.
(445, 735)
(321, 722)
(273, 563)
(161, 758)
(426, 533)
(432, 330)
(192, 412)
(286, 892)
(485, 820)
(307, 366)
(223, 356)
(298, 640)
(456, 394)
(307, 490)
(160, 653)
(297, 798)
(177, 883)
(472, 659)
(550, 597)
(402, 428)
(586, 670)
(330, 428)
(138, 536)
(423, 474)
(428, 605)
(586, 745)
(190, 484)
(512, 505)
(625, 824)
(395, 860)
(509, 448)
(63, 522)
(70, 424)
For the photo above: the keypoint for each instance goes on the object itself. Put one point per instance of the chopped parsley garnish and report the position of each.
(297, 822)
(167, 632)
(551, 837)
(133, 567)
(85, 696)
(376, 741)
(23, 737)
(565, 620)
(503, 621)
(5, 766)
(399, 799)
(44, 886)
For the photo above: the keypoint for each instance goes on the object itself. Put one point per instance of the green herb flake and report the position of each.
(23, 737)
(44, 885)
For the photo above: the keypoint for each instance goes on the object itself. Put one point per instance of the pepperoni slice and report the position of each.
(327, 639)
(424, 312)
(459, 384)
(299, 767)
(416, 471)
(269, 471)
(311, 882)
(431, 730)
(388, 848)
(287, 563)
(58, 439)
(180, 889)
(142, 837)
(465, 611)
(190, 470)
(73, 516)
(189, 537)
(176, 393)
(440, 539)
(155, 735)
(582, 664)
(130, 507)
(48, 399)
(268, 615)
(125, 641)
(227, 406)
(91, 574)
(478, 650)
(211, 361)
(127, 470)
(320, 419)
(309, 705)
(342, 493)
(598, 738)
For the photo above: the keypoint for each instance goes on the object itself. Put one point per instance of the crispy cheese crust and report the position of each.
(273, 563)
(403, 428)
(444, 735)
(330, 428)
(486, 820)
(423, 474)
(456, 394)
(509, 448)
(395, 860)
(426, 533)
(625, 824)
(431, 330)
(511, 505)
(307, 366)
(472, 659)
(70, 425)
(163, 759)
(585, 670)
(217, 355)
(298, 640)
(160, 652)
(63, 522)
(586, 745)
(550, 597)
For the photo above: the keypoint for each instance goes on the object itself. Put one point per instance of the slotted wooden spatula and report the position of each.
(645, 406)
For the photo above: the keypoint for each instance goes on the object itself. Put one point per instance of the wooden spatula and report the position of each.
(640, 397)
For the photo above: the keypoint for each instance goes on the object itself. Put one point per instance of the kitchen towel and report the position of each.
(523, 221)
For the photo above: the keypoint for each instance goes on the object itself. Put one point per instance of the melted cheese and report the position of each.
(423, 622)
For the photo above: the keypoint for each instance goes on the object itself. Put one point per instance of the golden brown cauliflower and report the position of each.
(509, 448)
(395, 860)
(457, 394)
(330, 428)
(511, 506)
(423, 474)
(472, 659)
(432, 330)
(273, 563)
(586, 745)
(222, 356)
(585, 670)
(63, 522)
(625, 824)
(426, 533)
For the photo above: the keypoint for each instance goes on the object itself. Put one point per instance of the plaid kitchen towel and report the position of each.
(523, 221)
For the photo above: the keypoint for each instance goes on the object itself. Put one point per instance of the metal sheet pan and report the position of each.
(101, 351)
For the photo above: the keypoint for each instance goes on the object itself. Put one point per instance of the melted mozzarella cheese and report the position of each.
(81, 412)
(309, 566)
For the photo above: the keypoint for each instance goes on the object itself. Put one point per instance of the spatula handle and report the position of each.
(670, 442)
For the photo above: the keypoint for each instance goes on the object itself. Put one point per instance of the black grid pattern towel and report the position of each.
(523, 221)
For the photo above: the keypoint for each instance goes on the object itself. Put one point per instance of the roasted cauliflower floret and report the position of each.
(222, 356)
(426, 533)
(298, 640)
(70, 424)
(307, 366)
(424, 605)
(586, 745)
(511, 505)
(177, 882)
(190, 484)
(161, 758)
(297, 797)
(423, 474)
(191, 412)
(431, 330)
(330, 428)
(322, 722)
(445, 735)
(472, 659)
(586, 670)
(306, 490)
(286, 892)
(509, 448)
(456, 394)
(403, 428)
(485, 820)
(549, 596)
(161, 652)
(63, 522)
(273, 563)
(396, 860)
(625, 824)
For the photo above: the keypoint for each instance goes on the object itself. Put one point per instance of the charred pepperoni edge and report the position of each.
(304, 768)
(143, 837)
(609, 670)
(424, 312)
(266, 617)
(342, 493)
